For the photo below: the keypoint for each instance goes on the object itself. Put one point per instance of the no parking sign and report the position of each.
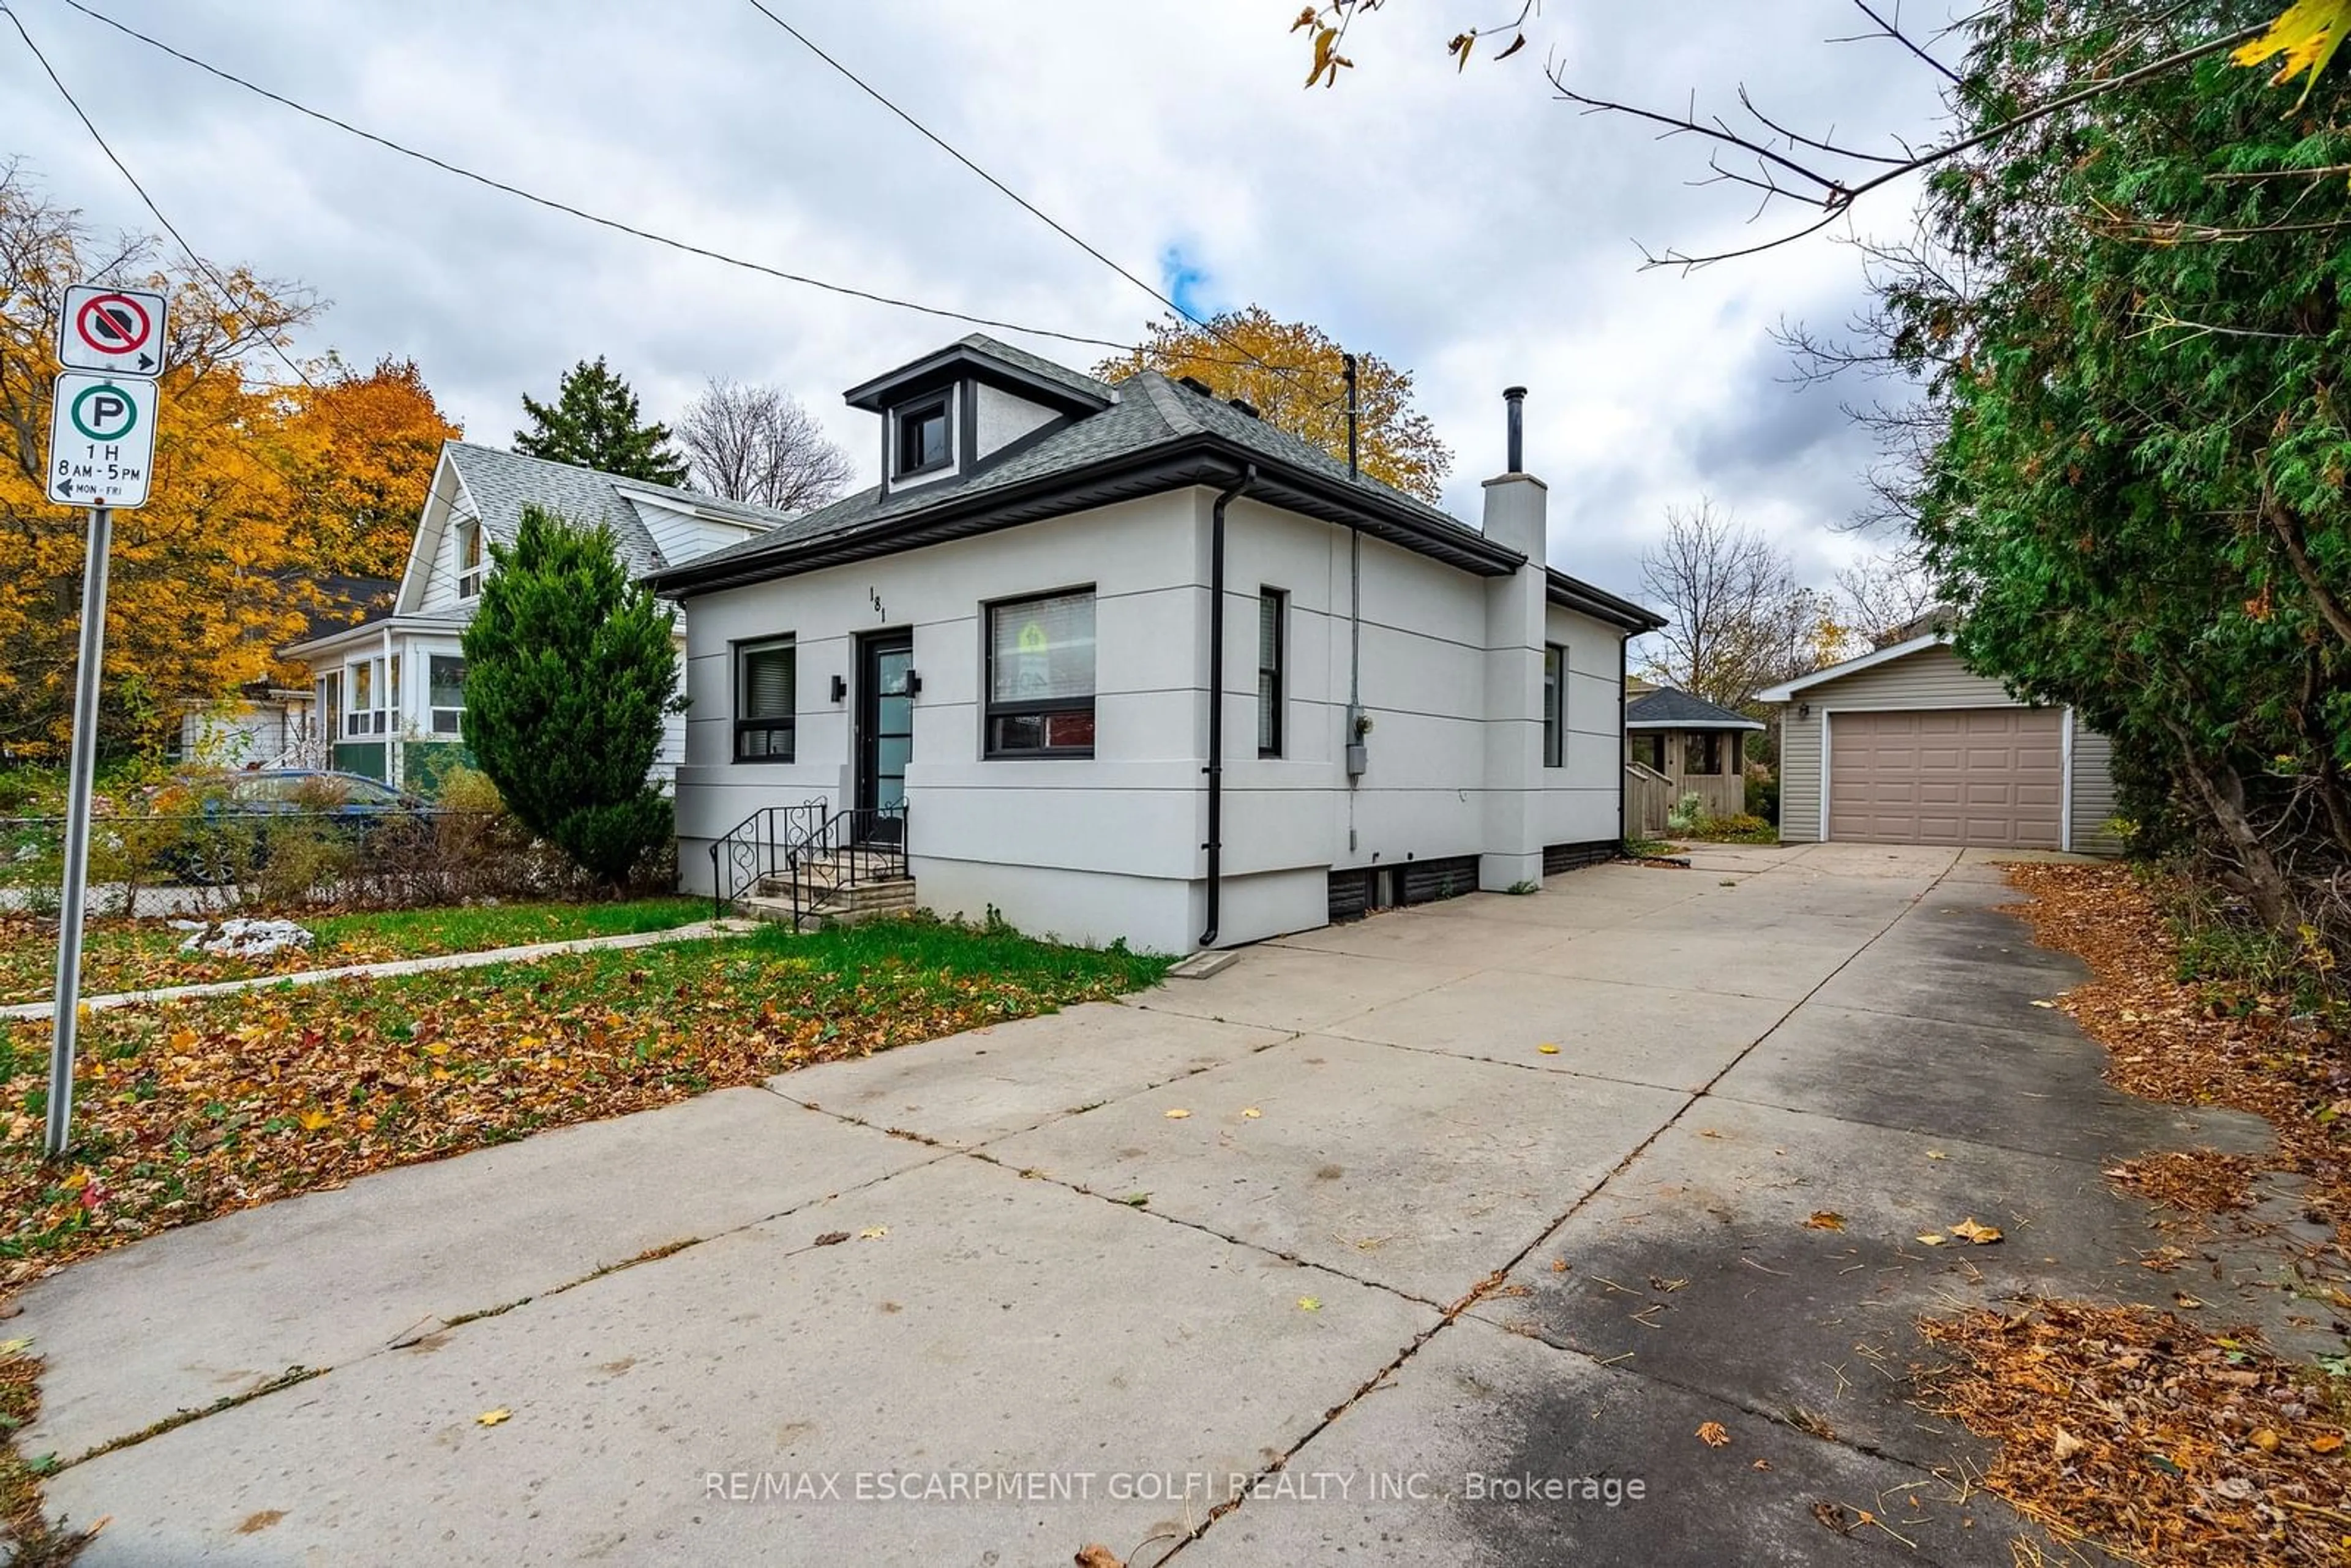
(116, 329)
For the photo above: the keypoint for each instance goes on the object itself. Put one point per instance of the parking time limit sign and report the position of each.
(101, 440)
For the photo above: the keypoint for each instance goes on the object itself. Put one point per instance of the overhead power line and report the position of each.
(944, 145)
(228, 294)
(616, 225)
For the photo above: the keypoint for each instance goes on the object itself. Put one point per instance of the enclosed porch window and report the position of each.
(446, 680)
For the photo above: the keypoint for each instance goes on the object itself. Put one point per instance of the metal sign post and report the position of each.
(77, 876)
(102, 456)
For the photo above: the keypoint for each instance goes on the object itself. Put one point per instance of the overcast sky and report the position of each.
(1469, 227)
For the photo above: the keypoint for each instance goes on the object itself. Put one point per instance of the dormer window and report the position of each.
(922, 440)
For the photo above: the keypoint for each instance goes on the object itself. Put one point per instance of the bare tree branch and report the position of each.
(1839, 190)
(758, 444)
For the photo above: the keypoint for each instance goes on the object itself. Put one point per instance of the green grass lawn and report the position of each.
(186, 1110)
(143, 954)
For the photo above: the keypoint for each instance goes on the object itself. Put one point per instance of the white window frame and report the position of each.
(433, 711)
(470, 571)
(375, 720)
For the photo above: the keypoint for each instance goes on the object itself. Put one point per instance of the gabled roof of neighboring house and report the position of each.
(501, 484)
(1149, 435)
(1786, 690)
(1667, 708)
(335, 600)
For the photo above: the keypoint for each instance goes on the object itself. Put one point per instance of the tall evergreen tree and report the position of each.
(570, 669)
(594, 422)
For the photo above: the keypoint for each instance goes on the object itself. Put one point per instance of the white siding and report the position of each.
(438, 593)
(2094, 793)
(1932, 677)
(680, 533)
(231, 735)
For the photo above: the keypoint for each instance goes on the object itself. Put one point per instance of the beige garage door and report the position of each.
(1992, 776)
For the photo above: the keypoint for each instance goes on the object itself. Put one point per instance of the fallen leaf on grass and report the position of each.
(1980, 1235)
(1825, 1219)
(1713, 1435)
(493, 1418)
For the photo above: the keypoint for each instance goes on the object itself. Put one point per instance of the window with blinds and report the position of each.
(765, 700)
(1041, 676)
(1273, 612)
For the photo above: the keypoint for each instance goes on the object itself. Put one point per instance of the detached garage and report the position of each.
(1904, 745)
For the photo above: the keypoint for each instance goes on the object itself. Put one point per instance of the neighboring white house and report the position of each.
(1011, 638)
(390, 692)
(1907, 745)
(263, 724)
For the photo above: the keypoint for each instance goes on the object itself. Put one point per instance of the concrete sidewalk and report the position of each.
(1379, 1223)
(697, 931)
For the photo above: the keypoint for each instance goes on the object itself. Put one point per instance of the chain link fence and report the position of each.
(206, 862)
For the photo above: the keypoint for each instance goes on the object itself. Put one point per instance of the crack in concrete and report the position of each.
(409, 1336)
(1494, 1281)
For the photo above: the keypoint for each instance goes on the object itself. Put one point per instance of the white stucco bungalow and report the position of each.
(1127, 661)
(390, 692)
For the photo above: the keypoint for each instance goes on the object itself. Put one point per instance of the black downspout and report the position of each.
(1215, 769)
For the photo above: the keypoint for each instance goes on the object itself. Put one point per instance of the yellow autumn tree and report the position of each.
(249, 501)
(364, 448)
(1297, 381)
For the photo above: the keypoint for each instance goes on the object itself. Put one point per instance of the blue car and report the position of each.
(231, 842)
(307, 791)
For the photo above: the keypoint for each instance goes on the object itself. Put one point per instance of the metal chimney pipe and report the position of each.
(1516, 397)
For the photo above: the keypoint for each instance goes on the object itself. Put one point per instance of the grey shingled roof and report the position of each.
(1152, 410)
(1061, 375)
(502, 483)
(1665, 706)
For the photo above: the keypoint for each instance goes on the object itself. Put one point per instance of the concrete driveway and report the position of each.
(1433, 1234)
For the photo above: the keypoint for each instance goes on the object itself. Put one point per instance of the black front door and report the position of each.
(885, 728)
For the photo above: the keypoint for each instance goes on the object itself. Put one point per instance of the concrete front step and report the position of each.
(863, 870)
(823, 906)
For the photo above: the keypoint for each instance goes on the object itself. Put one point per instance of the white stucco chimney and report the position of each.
(1517, 517)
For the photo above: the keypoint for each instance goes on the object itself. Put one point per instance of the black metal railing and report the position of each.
(759, 847)
(848, 850)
